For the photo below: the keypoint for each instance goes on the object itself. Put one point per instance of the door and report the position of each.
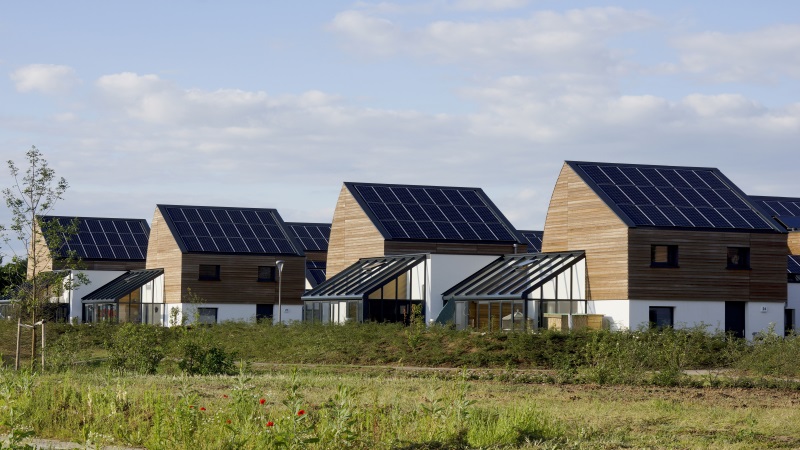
(788, 321)
(735, 318)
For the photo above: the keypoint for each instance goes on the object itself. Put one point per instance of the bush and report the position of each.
(136, 348)
(200, 356)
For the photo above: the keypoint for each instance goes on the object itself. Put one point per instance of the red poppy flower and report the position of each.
(301, 412)
(270, 423)
(191, 406)
(262, 401)
(224, 395)
(202, 408)
(228, 421)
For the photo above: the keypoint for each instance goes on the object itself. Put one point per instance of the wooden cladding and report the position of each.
(794, 243)
(578, 219)
(702, 272)
(353, 235)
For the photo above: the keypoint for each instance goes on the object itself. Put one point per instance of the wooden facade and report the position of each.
(238, 283)
(794, 242)
(618, 257)
(354, 236)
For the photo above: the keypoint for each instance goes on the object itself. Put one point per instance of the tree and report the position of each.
(32, 196)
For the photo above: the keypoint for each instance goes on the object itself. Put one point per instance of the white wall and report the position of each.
(97, 278)
(634, 314)
(444, 272)
(291, 313)
(793, 302)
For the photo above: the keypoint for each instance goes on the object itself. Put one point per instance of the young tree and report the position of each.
(34, 194)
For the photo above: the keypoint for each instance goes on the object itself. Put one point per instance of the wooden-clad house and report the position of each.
(222, 263)
(313, 237)
(786, 211)
(395, 246)
(106, 247)
(670, 246)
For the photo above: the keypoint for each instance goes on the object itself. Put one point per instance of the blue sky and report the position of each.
(275, 104)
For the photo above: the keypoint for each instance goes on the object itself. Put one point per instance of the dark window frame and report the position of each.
(672, 256)
(655, 323)
(738, 258)
(215, 277)
(200, 316)
(273, 274)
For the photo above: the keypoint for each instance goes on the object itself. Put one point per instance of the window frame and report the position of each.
(273, 274)
(201, 277)
(200, 316)
(743, 258)
(655, 324)
(672, 256)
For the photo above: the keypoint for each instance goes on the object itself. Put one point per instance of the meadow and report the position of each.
(385, 386)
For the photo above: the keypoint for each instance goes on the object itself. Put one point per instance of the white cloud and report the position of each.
(44, 78)
(763, 55)
(544, 41)
(489, 5)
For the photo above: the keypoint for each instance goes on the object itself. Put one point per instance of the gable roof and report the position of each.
(534, 240)
(313, 237)
(786, 210)
(363, 277)
(227, 230)
(513, 277)
(673, 197)
(122, 285)
(433, 213)
(104, 238)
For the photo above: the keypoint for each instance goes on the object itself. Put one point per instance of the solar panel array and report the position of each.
(311, 236)
(229, 230)
(533, 239)
(435, 213)
(794, 264)
(315, 270)
(103, 238)
(786, 210)
(674, 197)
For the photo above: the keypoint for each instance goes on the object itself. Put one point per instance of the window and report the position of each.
(266, 273)
(664, 256)
(738, 258)
(207, 316)
(661, 316)
(209, 272)
(264, 312)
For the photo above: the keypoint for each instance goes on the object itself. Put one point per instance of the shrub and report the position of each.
(136, 348)
(200, 356)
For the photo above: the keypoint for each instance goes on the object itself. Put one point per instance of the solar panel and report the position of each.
(229, 230)
(785, 209)
(794, 264)
(312, 236)
(534, 240)
(94, 233)
(675, 196)
(433, 213)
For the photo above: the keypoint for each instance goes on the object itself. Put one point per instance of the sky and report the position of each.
(275, 104)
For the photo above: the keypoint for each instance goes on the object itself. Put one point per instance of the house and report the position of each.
(786, 211)
(313, 237)
(224, 263)
(670, 246)
(396, 246)
(106, 247)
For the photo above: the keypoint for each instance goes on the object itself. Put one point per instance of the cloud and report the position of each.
(544, 41)
(44, 78)
(764, 55)
(489, 5)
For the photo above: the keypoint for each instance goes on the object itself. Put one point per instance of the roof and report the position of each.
(363, 277)
(315, 272)
(794, 268)
(513, 277)
(786, 210)
(103, 238)
(122, 285)
(673, 197)
(225, 230)
(534, 240)
(313, 237)
(433, 213)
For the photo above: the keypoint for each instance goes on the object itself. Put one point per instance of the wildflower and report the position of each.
(270, 424)
(262, 401)
(202, 408)
(228, 421)
(191, 406)
(224, 395)
(301, 412)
